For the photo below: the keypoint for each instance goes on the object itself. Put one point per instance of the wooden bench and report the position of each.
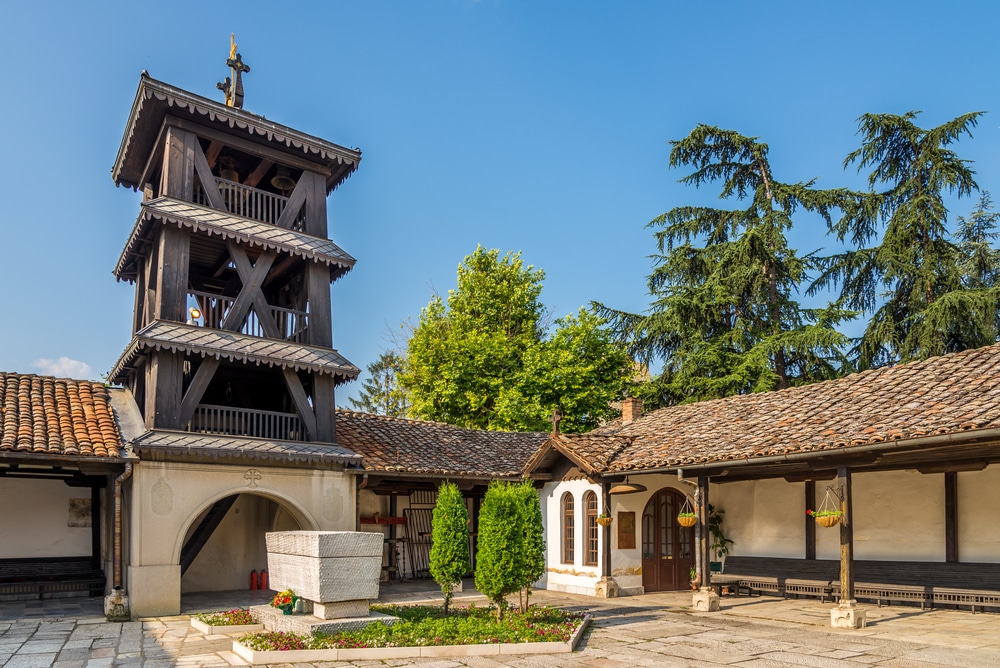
(778, 576)
(917, 582)
(43, 577)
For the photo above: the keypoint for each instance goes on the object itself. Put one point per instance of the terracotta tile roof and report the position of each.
(232, 447)
(252, 233)
(41, 415)
(416, 446)
(220, 344)
(950, 394)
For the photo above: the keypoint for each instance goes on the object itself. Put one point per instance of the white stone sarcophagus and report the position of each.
(337, 571)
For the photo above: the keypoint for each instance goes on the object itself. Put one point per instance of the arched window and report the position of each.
(567, 528)
(590, 553)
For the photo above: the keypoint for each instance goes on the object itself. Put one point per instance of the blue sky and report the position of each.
(534, 126)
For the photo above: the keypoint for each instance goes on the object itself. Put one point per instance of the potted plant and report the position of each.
(605, 519)
(285, 601)
(695, 580)
(825, 518)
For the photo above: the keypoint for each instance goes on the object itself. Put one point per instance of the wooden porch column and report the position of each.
(95, 527)
(705, 541)
(606, 557)
(810, 522)
(846, 536)
(951, 516)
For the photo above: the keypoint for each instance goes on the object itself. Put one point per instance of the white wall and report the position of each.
(978, 508)
(897, 515)
(34, 520)
(764, 518)
(574, 578)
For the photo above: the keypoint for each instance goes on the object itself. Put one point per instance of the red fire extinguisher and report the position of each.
(253, 579)
(263, 579)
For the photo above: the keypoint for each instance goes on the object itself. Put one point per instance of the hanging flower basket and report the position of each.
(826, 518)
(605, 520)
(687, 517)
(828, 514)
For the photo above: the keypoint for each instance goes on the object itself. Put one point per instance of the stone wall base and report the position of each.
(340, 609)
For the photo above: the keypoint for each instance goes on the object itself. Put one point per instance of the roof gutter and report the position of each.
(938, 439)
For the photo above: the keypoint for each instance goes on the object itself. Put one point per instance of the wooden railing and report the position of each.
(214, 308)
(250, 202)
(210, 419)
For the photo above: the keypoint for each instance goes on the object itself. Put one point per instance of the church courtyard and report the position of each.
(651, 630)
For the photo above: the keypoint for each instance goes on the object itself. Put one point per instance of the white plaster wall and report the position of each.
(978, 528)
(897, 515)
(34, 521)
(574, 578)
(168, 497)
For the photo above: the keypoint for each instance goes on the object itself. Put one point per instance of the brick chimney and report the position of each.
(631, 409)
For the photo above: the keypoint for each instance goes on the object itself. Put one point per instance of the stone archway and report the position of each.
(225, 541)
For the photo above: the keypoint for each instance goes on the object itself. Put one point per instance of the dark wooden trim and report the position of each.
(246, 146)
(252, 277)
(810, 489)
(196, 389)
(705, 542)
(95, 527)
(846, 535)
(300, 399)
(208, 182)
(316, 223)
(320, 329)
(324, 407)
(951, 516)
(606, 552)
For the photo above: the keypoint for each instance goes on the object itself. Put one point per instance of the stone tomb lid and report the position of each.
(325, 544)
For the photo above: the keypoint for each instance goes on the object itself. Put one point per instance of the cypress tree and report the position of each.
(499, 561)
(533, 551)
(449, 558)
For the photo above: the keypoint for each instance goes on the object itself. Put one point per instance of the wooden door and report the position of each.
(667, 547)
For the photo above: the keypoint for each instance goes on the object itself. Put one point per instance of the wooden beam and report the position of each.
(246, 145)
(177, 177)
(812, 476)
(951, 516)
(320, 329)
(300, 399)
(294, 203)
(703, 544)
(252, 277)
(810, 489)
(95, 527)
(208, 182)
(324, 406)
(316, 223)
(257, 174)
(846, 536)
(196, 389)
(953, 468)
(212, 154)
(606, 531)
(172, 261)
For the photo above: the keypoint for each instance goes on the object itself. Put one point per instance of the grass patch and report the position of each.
(236, 617)
(425, 625)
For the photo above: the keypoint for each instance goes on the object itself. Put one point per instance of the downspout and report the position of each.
(117, 556)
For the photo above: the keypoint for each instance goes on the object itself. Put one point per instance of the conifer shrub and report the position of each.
(450, 535)
(500, 561)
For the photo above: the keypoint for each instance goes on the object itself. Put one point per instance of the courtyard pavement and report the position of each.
(651, 630)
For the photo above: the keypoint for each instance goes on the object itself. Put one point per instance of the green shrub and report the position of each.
(450, 536)
(533, 549)
(500, 562)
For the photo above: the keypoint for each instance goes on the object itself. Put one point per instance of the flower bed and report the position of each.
(425, 631)
(237, 620)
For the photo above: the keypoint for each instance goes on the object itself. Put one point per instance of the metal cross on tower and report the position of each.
(233, 85)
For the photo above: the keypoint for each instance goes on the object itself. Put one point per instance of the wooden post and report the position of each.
(95, 527)
(810, 522)
(951, 516)
(846, 536)
(703, 544)
(606, 556)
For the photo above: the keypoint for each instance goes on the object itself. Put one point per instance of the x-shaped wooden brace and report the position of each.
(252, 277)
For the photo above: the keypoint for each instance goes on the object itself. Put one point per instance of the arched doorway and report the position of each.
(226, 541)
(667, 547)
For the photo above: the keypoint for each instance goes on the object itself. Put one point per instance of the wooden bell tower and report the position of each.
(232, 266)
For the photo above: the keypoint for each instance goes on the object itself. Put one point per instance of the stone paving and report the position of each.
(652, 630)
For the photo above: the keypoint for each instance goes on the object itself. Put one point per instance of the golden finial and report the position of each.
(232, 45)
(233, 85)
